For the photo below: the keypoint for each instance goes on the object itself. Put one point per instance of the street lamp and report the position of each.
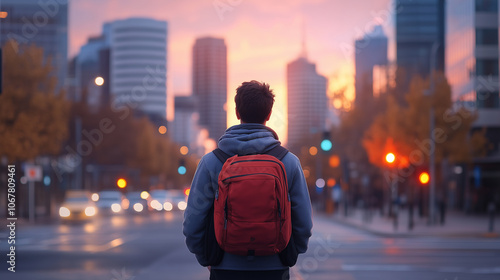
(432, 162)
(99, 81)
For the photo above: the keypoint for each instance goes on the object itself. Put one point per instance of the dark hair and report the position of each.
(254, 101)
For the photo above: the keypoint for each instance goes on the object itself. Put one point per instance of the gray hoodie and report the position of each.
(248, 138)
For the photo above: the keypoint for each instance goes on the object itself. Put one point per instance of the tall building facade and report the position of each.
(472, 70)
(41, 23)
(419, 25)
(370, 51)
(307, 101)
(185, 126)
(210, 84)
(138, 66)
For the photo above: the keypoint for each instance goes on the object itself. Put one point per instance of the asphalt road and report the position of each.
(152, 247)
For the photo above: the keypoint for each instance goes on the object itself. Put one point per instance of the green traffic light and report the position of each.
(182, 170)
(326, 145)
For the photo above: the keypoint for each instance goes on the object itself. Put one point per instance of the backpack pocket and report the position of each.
(251, 238)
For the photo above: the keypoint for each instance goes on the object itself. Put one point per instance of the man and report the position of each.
(254, 102)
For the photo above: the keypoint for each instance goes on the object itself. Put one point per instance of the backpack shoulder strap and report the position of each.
(221, 155)
(278, 152)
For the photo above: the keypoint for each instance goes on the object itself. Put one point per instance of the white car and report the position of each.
(178, 199)
(111, 202)
(77, 206)
(159, 200)
(168, 200)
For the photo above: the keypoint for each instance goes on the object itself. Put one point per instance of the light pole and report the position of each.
(432, 163)
(390, 158)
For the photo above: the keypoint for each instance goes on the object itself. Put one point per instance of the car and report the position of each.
(178, 199)
(111, 202)
(168, 200)
(77, 205)
(139, 202)
(159, 200)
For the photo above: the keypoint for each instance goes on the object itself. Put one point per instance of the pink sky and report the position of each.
(261, 36)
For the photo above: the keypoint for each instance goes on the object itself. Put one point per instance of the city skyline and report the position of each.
(261, 37)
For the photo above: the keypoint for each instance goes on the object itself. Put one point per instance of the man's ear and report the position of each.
(237, 114)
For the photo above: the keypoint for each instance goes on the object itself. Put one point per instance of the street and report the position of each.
(152, 247)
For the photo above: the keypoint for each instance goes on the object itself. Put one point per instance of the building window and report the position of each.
(490, 6)
(487, 67)
(486, 36)
(487, 99)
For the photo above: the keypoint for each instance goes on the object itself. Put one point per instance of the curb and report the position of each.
(486, 235)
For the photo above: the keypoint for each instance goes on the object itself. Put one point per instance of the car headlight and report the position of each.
(168, 206)
(64, 212)
(182, 205)
(115, 207)
(156, 205)
(138, 207)
(90, 211)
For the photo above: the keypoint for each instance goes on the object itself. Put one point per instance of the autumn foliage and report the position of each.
(33, 116)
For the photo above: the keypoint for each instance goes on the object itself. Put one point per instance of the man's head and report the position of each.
(254, 102)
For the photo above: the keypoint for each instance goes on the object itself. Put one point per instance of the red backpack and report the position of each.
(252, 210)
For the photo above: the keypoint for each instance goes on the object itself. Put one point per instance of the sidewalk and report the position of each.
(456, 224)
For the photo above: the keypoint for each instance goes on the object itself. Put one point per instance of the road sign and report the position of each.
(33, 173)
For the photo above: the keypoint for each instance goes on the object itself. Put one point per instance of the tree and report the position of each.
(131, 142)
(33, 117)
(405, 131)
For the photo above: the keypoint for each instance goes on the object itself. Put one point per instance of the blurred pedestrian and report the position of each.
(254, 102)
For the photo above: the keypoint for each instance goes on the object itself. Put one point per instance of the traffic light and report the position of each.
(424, 178)
(121, 183)
(182, 167)
(390, 157)
(326, 143)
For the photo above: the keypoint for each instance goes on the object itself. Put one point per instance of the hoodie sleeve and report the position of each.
(200, 201)
(301, 205)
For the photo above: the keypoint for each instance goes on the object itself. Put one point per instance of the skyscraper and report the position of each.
(185, 126)
(472, 70)
(138, 66)
(88, 64)
(472, 54)
(370, 51)
(42, 23)
(210, 83)
(307, 101)
(419, 24)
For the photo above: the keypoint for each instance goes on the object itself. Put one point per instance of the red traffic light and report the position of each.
(121, 183)
(424, 178)
(390, 158)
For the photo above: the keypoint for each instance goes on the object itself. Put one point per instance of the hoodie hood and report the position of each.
(248, 138)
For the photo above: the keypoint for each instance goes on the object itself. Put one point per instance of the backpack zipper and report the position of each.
(225, 215)
(237, 176)
(247, 160)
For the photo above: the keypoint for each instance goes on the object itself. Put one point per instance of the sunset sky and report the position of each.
(261, 36)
